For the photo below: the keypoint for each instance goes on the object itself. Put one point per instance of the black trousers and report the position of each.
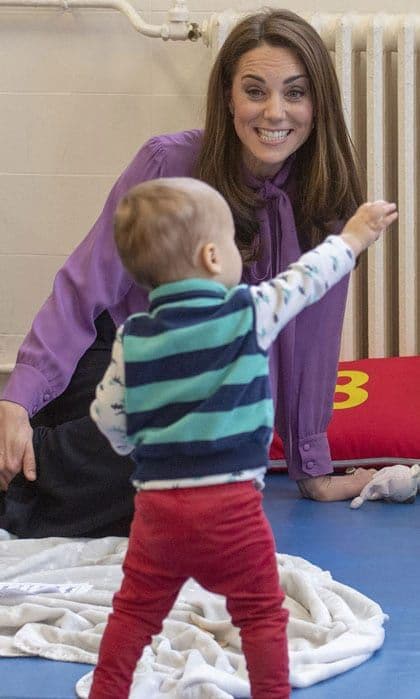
(83, 487)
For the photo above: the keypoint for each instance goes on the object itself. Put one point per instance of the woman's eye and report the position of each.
(254, 92)
(295, 94)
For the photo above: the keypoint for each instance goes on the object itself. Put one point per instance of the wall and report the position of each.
(80, 91)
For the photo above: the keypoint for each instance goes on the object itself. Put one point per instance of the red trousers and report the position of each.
(219, 536)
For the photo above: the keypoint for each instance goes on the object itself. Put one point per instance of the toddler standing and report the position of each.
(187, 393)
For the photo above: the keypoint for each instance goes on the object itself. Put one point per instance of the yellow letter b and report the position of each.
(352, 389)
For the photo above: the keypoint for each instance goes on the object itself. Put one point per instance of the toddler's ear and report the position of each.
(210, 258)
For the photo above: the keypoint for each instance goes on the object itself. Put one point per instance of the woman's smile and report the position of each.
(272, 136)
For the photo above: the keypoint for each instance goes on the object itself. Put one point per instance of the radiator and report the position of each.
(377, 62)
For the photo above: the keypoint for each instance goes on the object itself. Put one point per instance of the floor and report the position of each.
(375, 549)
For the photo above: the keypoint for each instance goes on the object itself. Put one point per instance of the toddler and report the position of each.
(187, 393)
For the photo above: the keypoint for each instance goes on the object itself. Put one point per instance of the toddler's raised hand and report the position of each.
(368, 224)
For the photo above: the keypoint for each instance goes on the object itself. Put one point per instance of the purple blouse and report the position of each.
(303, 360)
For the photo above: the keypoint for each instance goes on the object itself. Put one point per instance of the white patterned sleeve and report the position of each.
(304, 282)
(108, 408)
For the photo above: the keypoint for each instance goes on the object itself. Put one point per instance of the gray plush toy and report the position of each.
(394, 483)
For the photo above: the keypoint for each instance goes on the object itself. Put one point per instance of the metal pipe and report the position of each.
(178, 28)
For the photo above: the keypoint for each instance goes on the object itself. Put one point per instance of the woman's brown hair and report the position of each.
(327, 175)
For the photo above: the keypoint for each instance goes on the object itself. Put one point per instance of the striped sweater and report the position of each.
(187, 390)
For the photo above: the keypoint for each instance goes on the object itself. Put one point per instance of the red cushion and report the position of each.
(376, 418)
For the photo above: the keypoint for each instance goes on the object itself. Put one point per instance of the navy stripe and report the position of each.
(183, 295)
(170, 317)
(188, 364)
(226, 398)
(142, 325)
(208, 457)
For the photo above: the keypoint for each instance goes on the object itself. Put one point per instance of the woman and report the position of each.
(275, 145)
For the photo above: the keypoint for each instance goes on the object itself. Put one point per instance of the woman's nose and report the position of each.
(275, 107)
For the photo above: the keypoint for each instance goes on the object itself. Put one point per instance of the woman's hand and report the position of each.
(16, 450)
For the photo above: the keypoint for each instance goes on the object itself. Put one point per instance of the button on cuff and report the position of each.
(315, 457)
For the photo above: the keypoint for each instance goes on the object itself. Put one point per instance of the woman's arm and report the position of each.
(91, 280)
(330, 488)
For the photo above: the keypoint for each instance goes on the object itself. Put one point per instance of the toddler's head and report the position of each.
(176, 228)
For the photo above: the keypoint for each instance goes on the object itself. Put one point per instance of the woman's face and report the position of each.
(272, 108)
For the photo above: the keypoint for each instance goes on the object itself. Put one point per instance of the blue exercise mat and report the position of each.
(375, 549)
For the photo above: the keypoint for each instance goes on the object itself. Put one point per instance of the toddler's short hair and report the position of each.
(158, 226)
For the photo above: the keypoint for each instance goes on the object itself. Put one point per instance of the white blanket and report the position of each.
(55, 596)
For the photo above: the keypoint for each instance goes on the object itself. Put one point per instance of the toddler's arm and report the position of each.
(108, 409)
(307, 280)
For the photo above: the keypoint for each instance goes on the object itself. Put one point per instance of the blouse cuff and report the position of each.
(27, 387)
(311, 458)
